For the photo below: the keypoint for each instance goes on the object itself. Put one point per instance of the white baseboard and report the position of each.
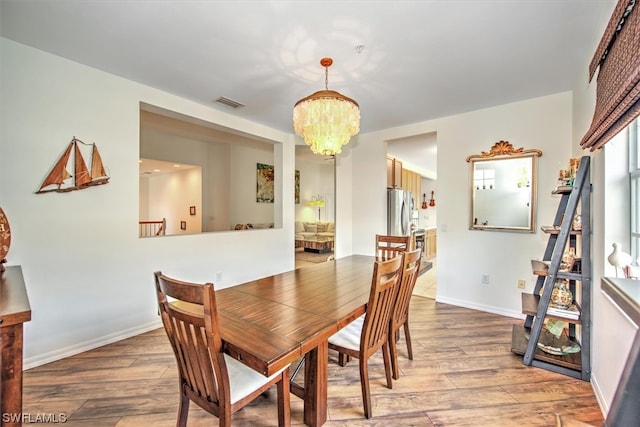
(61, 353)
(604, 408)
(480, 307)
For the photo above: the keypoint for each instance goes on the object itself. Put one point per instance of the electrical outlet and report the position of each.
(484, 279)
(521, 284)
(218, 276)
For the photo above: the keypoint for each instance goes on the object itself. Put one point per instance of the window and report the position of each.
(484, 179)
(634, 185)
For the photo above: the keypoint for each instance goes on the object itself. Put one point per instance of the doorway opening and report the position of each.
(314, 207)
(417, 156)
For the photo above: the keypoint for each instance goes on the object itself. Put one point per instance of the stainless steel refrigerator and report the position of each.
(398, 212)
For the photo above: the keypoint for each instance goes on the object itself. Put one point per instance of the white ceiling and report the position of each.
(421, 59)
(158, 167)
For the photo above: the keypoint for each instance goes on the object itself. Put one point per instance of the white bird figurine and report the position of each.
(617, 258)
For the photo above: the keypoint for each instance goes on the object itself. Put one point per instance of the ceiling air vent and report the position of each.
(229, 103)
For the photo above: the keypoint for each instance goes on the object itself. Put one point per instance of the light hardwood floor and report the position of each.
(426, 283)
(463, 374)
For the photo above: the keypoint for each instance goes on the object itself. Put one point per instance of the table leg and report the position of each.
(11, 342)
(316, 377)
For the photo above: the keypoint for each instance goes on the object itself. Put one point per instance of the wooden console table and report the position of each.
(14, 311)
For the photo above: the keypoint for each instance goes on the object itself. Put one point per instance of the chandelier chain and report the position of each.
(326, 77)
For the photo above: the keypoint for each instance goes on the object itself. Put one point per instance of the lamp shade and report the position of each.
(317, 201)
(326, 119)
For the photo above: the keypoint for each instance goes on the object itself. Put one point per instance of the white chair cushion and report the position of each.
(243, 380)
(349, 336)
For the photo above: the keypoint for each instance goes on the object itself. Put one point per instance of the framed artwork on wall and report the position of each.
(192, 210)
(183, 225)
(264, 183)
(296, 187)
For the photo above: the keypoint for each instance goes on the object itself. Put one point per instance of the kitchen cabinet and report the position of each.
(412, 182)
(399, 177)
(430, 243)
(394, 173)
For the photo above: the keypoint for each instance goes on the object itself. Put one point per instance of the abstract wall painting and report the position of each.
(264, 183)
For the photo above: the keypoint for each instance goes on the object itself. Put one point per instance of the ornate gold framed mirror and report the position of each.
(503, 184)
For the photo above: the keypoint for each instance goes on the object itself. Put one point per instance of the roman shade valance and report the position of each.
(618, 84)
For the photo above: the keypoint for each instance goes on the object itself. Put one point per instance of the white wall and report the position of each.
(427, 218)
(543, 123)
(344, 212)
(243, 171)
(228, 175)
(216, 202)
(315, 180)
(211, 158)
(170, 197)
(88, 275)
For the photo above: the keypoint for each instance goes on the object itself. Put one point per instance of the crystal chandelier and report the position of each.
(326, 119)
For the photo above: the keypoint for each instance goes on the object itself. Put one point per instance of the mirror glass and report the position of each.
(503, 189)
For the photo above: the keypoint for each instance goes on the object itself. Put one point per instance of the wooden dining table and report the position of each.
(272, 322)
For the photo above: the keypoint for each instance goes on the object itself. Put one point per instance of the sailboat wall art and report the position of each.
(61, 180)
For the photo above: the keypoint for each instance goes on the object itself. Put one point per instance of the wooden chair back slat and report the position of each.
(388, 247)
(190, 317)
(188, 336)
(410, 271)
(374, 329)
(400, 313)
(384, 288)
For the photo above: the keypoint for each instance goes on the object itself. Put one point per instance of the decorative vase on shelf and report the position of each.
(568, 259)
(577, 223)
(561, 295)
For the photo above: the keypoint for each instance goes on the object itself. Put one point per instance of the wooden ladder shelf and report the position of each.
(525, 338)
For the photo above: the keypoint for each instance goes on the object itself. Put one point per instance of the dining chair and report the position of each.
(363, 337)
(388, 247)
(400, 314)
(213, 380)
